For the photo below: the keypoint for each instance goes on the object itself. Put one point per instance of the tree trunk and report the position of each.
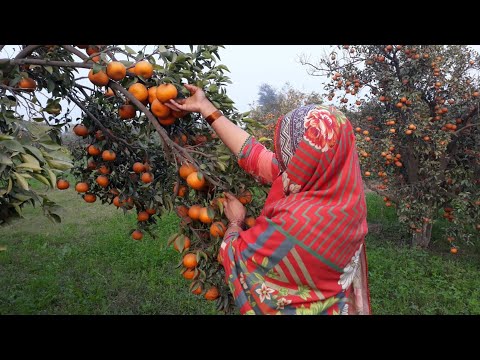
(422, 239)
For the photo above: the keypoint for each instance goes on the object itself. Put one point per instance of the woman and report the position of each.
(306, 252)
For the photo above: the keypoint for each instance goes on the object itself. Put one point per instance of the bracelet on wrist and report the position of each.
(239, 223)
(213, 116)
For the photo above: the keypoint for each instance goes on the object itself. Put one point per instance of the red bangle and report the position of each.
(213, 116)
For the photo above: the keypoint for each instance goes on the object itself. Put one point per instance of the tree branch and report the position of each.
(27, 51)
(51, 63)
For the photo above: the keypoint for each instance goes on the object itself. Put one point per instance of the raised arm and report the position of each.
(253, 157)
(232, 135)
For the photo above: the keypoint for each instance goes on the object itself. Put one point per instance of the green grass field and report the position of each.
(89, 265)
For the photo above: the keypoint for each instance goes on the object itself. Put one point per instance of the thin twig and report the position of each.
(27, 51)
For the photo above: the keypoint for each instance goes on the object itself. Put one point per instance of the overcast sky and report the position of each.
(252, 65)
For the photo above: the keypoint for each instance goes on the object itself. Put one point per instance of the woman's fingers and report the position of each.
(177, 105)
(229, 196)
(173, 107)
(192, 88)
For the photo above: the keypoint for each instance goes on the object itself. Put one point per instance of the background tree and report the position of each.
(416, 112)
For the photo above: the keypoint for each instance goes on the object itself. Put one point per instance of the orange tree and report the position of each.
(415, 110)
(139, 155)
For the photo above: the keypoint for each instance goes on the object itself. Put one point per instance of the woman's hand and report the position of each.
(195, 103)
(234, 209)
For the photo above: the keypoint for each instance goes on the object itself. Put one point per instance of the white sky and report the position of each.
(252, 65)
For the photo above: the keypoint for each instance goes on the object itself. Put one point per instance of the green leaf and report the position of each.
(59, 165)
(35, 152)
(48, 68)
(42, 179)
(4, 159)
(129, 50)
(52, 177)
(55, 217)
(172, 238)
(221, 166)
(13, 145)
(21, 180)
(3, 247)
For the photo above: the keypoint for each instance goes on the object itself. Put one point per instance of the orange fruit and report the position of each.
(186, 244)
(166, 92)
(62, 184)
(103, 181)
(80, 130)
(186, 169)
(143, 216)
(159, 110)
(212, 293)
(146, 178)
(127, 112)
(194, 212)
(109, 155)
(182, 211)
(250, 221)
(99, 79)
(116, 70)
(81, 187)
(91, 165)
(89, 198)
(151, 211)
(218, 229)
(27, 84)
(138, 167)
(99, 135)
(152, 94)
(217, 201)
(198, 290)
(189, 274)
(104, 170)
(109, 93)
(206, 215)
(137, 235)
(245, 197)
(179, 114)
(181, 191)
(453, 250)
(170, 120)
(92, 49)
(144, 69)
(139, 91)
(196, 180)
(190, 261)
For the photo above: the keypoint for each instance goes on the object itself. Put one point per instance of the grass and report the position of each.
(89, 265)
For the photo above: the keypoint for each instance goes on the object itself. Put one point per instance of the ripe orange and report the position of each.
(250, 221)
(206, 215)
(190, 261)
(186, 169)
(453, 250)
(186, 244)
(27, 84)
(80, 130)
(137, 235)
(151, 211)
(81, 187)
(127, 112)
(212, 293)
(138, 167)
(143, 216)
(62, 184)
(103, 181)
(104, 170)
(166, 92)
(99, 135)
(116, 70)
(194, 212)
(189, 274)
(159, 110)
(139, 91)
(198, 290)
(358, 129)
(152, 94)
(144, 69)
(218, 229)
(99, 79)
(146, 178)
(92, 49)
(408, 132)
(368, 173)
(181, 191)
(91, 165)
(196, 180)
(170, 120)
(109, 93)
(179, 114)
(89, 198)
(182, 211)
(215, 202)
(245, 197)
(366, 132)
(109, 155)
(117, 202)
